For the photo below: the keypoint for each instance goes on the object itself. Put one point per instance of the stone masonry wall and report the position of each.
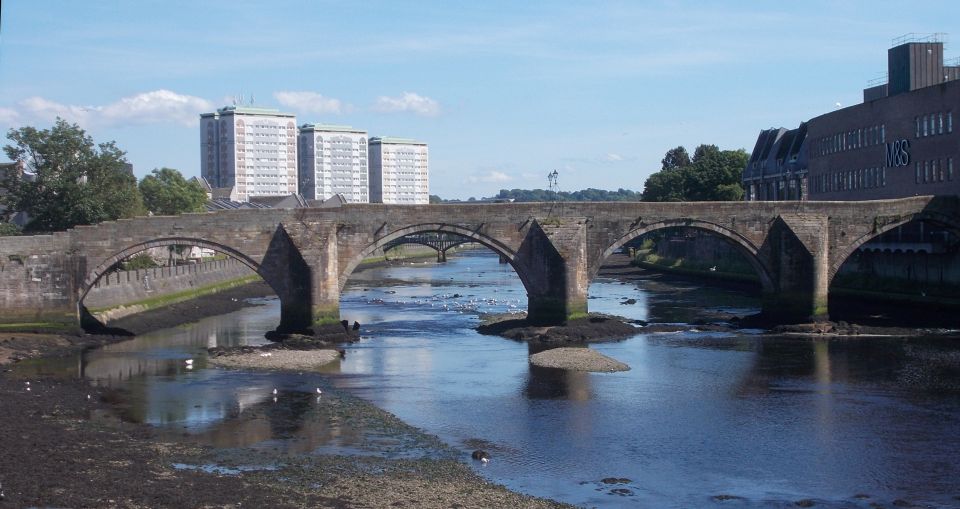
(127, 287)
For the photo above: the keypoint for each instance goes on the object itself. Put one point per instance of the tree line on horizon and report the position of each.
(710, 175)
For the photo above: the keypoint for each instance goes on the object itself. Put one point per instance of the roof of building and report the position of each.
(225, 204)
(776, 152)
(248, 110)
(203, 183)
(334, 201)
(331, 128)
(290, 201)
(395, 141)
(221, 193)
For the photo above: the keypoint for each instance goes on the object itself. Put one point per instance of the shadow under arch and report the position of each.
(94, 275)
(473, 236)
(746, 248)
(101, 269)
(947, 222)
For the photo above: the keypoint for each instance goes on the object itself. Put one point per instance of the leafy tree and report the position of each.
(675, 158)
(8, 229)
(74, 181)
(435, 199)
(139, 261)
(711, 175)
(665, 185)
(166, 193)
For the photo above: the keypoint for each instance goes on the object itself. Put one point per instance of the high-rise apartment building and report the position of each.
(399, 171)
(251, 149)
(333, 160)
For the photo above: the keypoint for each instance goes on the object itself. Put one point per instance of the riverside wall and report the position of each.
(128, 292)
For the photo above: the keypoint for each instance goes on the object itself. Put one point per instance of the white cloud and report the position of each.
(157, 106)
(611, 157)
(492, 177)
(8, 116)
(309, 102)
(45, 109)
(409, 101)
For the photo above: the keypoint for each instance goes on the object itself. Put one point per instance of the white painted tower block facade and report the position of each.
(251, 149)
(399, 171)
(333, 160)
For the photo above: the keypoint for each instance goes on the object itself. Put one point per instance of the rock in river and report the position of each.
(577, 359)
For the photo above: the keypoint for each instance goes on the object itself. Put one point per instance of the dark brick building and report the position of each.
(899, 142)
(777, 169)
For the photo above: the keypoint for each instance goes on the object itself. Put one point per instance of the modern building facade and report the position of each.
(399, 171)
(899, 142)
(251, 149)
(333, 160)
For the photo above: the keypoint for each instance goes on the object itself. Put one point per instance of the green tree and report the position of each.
(711, 175)
(8, 229)
(74, 181)
(675, 159)
(665, 185)
(166, 193)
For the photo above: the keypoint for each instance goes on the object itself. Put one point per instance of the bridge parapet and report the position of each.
(556, 248)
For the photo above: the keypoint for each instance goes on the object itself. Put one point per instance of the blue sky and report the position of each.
(503, 92)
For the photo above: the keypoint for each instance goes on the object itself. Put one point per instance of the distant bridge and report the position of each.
(440, 242)
(306, 255)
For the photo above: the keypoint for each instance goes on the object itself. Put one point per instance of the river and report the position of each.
(701, 418)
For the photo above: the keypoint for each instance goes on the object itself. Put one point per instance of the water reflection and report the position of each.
(552, 383)
(769, 419)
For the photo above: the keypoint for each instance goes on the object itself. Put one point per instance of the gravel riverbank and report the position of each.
(577, 359)
(291, 360)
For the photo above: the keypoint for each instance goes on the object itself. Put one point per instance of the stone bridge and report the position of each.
(556, 248)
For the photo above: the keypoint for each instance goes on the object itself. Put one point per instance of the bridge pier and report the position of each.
(799, 257)
(553, 257)
(301, 266)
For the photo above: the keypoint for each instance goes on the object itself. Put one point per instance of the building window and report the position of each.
(916, 120)
(925, 131)
(940, 123)
(916, 168)
(949, 121)
(949, 168)
(883, 133)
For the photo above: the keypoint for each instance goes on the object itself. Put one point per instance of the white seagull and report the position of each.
(274, 391)
(319, 391)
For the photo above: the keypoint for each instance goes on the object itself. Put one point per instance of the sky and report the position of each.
(503, 92)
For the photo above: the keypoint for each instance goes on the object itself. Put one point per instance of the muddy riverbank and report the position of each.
(63, 447)
(64, 444)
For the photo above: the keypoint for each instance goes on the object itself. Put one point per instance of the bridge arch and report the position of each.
(950, 223)
(94, 275)
(491, 243)
(746, 248)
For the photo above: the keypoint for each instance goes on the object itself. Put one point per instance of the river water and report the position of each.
(769, 420)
